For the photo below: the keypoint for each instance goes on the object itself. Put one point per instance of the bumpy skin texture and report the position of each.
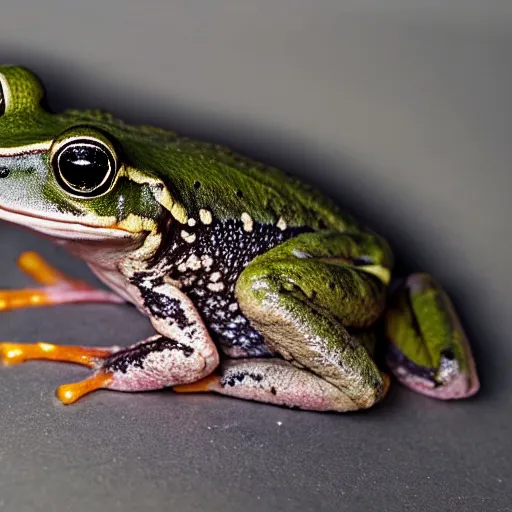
(303, 306)
(258, 286)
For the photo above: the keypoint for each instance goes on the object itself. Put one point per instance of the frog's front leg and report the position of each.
(181, 352)
(304, 296)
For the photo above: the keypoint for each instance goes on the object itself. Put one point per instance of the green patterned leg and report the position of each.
(428, 350)
(302, 296)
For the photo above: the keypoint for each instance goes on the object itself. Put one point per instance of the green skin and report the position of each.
(313, 297)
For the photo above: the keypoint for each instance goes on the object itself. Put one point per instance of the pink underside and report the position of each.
(63, 294)
(289, 397)
(463, 386)
(280, 383)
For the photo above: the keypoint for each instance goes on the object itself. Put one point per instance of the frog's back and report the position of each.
(201, 175)
(214, 177)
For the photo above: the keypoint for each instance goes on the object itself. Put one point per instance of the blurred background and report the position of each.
(399, 110)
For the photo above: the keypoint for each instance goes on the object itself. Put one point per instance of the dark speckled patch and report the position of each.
(207, 260)
(159, 304)
(134, 356)
(235, 379)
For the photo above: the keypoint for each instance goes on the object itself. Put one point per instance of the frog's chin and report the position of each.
(64, 230)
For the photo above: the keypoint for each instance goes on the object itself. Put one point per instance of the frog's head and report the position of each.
(79, 175)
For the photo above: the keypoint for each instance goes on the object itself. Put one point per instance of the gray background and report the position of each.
(401, 110)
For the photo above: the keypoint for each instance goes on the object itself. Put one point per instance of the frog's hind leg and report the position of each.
(182, 352)
(304, 296)
(57, 288)
(428, 350)
(274, 381)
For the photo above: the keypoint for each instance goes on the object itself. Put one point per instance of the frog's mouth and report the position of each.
(64, 228)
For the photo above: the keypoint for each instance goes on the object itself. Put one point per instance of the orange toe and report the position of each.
(41, 271)
(387, 383)
(70, 393)
(30, 297)
(201, 386)
(15, 353)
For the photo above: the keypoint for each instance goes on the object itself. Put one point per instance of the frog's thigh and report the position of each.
(303, 306)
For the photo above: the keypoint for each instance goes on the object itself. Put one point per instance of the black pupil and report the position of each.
(84, 166)
(2, 101)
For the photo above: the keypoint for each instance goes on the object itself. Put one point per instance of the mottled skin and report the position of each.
(257, 286)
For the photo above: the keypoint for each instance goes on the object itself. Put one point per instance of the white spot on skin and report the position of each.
(233, 307)
(215, 276)
(182, 267)
(206, 262)
(281, 224)
(215, 287)
(247, 220)
(205, 216)
(190, 238)
(191, 222)
(189, 281)
(448, 370)
(193, 262)
(300, 254)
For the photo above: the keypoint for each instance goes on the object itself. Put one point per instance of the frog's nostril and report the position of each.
(4, 172)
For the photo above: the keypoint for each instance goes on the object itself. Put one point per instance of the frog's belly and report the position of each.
(231, 331)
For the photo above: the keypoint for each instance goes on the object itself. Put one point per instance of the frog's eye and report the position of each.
(84, 167)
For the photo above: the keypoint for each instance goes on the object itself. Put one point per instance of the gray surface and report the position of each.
(399, 109)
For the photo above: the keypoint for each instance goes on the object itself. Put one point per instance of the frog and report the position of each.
(258, 286)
